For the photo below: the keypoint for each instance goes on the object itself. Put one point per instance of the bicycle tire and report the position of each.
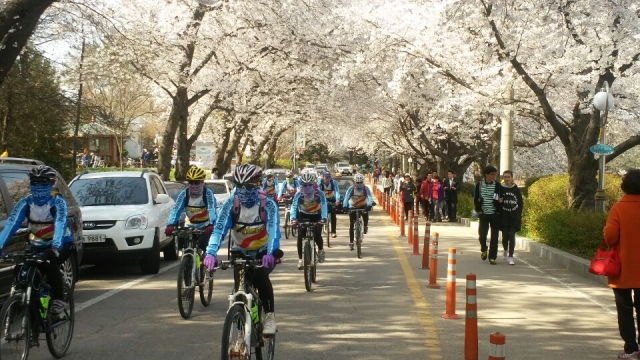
(294, 232)
(206, 288)
(358, 237)
(327, 226)
(185, 291)
(307, 265)
(15, 320)
(287, 228)
(235, 321)
(65, 326)
(314, 266)
(267, 352)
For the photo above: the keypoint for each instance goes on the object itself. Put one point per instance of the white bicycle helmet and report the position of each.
(247, 174)
(359, 178)
(308, 178)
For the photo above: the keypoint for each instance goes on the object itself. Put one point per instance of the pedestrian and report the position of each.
(214, 173)
(511, 215)
(387, 183)
(451, 195)
(143, 158)
(487, 200)
(425, 196)
(620, 233)
(437, 198)
(408, 190)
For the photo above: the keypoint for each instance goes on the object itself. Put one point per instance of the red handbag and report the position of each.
(605, 262)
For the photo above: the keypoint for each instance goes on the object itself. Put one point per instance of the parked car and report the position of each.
(321, 169)
(343, 168)
(14, 185)
(278, 173)
(125, 214)
(344, 183)
(221, 190)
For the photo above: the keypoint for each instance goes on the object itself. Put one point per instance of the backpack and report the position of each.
(235, 211)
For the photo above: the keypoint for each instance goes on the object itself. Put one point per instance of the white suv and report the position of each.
(124, 216)
(343, 168)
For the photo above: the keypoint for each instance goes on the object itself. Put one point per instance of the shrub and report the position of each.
(283, 163)
(465, 205)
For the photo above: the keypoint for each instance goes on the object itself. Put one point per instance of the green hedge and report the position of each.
(465, 205)
(547, 219)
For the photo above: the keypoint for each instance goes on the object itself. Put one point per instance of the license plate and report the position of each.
(94, 238)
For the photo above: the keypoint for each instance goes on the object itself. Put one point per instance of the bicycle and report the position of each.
(23, 320)
(242, 330)
(309, 252)
(192, 273)
(358, 230)
(287, 218)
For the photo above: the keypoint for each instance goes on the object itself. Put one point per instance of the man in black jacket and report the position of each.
(487, 199)
(511, 215)
(408, 190)
(451, 195)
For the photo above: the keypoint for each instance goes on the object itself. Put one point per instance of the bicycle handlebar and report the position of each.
(193, 231)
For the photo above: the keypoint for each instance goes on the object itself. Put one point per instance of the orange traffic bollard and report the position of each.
(471, 321)
(410, 236)
(425, 246)
(497, 346)
(402, 227)
(416, 236)
(450, 312)
(433, 267)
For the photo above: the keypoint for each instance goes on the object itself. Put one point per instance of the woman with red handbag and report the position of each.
(620, 233)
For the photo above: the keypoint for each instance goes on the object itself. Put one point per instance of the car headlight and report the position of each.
(137, 222)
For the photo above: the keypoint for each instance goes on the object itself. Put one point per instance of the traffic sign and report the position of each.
(602, 149)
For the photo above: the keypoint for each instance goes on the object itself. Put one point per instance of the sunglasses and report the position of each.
(307, 185)
(194, 182)
(358, 183)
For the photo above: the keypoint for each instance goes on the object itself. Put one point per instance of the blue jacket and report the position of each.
(296, 202)
(61, 230)
(275, 183)
(181, 202)
(225, 221)
(334, 186)
(347, 196)
(296, 184)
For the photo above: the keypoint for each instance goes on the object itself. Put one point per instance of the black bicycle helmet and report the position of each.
(42, 175)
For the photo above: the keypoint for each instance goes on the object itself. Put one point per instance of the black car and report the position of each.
(14, 185)
(344, 183)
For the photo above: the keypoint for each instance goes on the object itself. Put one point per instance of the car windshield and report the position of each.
(218, 188)
(342, 164)
(310, 166)
(110, 191)
(343, 184)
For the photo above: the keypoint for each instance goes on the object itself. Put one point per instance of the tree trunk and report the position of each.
(179, 111)
(183, 153)
(583, 183)
(222, 149)
(232, 150)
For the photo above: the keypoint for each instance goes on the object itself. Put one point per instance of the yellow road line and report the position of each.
(431, 338)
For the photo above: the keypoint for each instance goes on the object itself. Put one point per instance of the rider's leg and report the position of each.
(54, 276)
(260, 279)
(333, 219)
(352, 220)
(317, 233)
(365, 218)
(203, 242)
(301, 233)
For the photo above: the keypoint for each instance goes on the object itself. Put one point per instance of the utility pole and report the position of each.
(76, 129)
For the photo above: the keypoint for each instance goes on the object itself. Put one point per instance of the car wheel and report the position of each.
(68, 269)
(151, 263)
(171, 252)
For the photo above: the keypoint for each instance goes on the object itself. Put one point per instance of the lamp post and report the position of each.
(603, 101)
(409, 160)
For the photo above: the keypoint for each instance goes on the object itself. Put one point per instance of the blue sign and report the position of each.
(602, 149)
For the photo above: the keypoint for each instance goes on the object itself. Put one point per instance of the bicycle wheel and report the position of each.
(186, 291)
(233, 345)
(327, 228)
(307, 264)
(267, 352)
(358, 236)
(61, 328)
(314, 266)
(294, 232)
(286, 225)
(206, 287)
(15, 329)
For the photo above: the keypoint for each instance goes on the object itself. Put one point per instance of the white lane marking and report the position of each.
(566, 285)
(108, 294)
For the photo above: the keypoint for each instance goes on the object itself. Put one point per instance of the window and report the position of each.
(158, 184)
(64, 191)
(110, 191)
(105, 146)
(218, 188)
(17, 184)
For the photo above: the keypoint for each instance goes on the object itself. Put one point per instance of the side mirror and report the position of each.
(162, 199)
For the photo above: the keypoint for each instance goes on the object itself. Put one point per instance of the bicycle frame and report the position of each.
(358, 223)
(192, 250)
(309, 237)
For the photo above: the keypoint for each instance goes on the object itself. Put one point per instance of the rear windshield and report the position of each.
(342, 164)
(218, 188)
(174, 190)
(110, 191)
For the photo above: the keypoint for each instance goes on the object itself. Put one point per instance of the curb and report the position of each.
(560, 258)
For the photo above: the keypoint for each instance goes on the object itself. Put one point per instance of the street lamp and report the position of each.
(603, 101)
(410, 160)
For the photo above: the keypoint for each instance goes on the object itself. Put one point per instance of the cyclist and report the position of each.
(309, 204)
(46, 214)
(254, 222)
(332, 193)
(288, 187)
(199, 204)
(270, 183)
(357, 196)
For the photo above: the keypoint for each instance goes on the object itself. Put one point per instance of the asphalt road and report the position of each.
(373, 308)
